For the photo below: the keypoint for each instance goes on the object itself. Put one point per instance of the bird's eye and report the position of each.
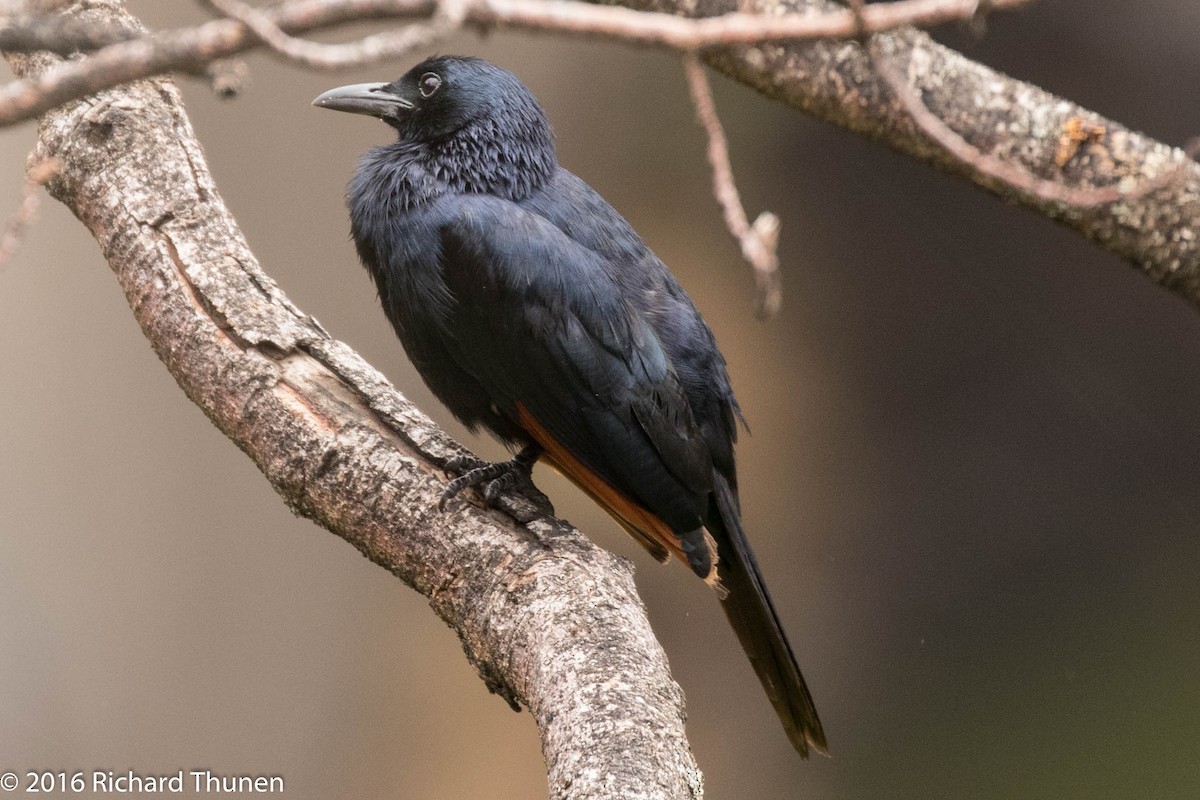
(429, 83)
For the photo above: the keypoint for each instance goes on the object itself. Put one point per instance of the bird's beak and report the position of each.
(364, 98)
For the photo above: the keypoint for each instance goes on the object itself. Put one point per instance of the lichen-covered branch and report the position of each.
(550, 621)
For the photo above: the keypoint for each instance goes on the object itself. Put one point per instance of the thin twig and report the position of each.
(683, 33)
(447, 17)
(1009, 173)
(26, 214)
(759, 242)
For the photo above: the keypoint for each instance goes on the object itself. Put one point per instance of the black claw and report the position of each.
(494, 478)
(503, 482)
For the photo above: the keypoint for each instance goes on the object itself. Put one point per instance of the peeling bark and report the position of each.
(550, 621)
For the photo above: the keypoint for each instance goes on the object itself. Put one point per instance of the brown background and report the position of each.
(971, 480)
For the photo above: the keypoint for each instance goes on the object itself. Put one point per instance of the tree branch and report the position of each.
(1014, 177)
(446, 18)
(1011, 121)
(550, 621)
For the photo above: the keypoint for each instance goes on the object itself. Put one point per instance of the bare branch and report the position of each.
(759, 242)
(41, 171)
(1013, 175)
(448, 17)
(193, 48)
(684, 33)
(1155, 223)
(189, 50)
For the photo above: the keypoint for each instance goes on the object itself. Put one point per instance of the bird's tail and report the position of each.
(752, 615)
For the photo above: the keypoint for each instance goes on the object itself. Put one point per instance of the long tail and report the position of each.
(753, 617)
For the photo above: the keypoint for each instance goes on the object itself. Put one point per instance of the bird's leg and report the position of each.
(494, 477)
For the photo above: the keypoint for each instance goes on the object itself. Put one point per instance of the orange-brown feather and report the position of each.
(642, 524)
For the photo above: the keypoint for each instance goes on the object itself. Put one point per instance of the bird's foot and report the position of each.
(493, 478)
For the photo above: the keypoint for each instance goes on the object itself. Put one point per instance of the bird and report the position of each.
(532, 309)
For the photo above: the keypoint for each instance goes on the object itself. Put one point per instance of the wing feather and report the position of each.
(539, 322)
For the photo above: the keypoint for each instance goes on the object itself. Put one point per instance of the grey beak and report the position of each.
(363, 98)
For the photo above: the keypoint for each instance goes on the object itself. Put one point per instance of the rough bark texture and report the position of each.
(550, 621)
(1158, 232)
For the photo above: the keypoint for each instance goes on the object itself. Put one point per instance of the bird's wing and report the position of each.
(590, 221)
(539, 321)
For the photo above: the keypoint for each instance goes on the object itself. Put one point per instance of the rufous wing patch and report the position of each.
(643, 525)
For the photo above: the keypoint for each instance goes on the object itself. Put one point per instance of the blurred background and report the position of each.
(971, 478)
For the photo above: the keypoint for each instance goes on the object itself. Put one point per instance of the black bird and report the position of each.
(532, 309)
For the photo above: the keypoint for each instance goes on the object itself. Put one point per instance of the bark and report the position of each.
(551, 622)
(1159, 232)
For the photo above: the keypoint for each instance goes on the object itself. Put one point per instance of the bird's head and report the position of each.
(440, 97)
(479, 128)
